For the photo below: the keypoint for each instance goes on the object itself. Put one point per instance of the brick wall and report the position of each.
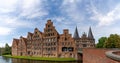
(94, 55)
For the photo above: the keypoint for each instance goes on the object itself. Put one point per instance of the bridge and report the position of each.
(80, 51)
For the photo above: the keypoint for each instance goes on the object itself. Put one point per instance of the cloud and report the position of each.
(5, 30)
(33, 8)
(105, 19)
(70, 9)
(14, 22)
(19, 15)
(16, 14)
(9, 25)
(7, 6)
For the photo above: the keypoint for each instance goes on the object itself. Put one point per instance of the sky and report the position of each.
(18, 17)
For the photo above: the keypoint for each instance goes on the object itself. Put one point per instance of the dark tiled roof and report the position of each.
(90, 35)
(76, 35)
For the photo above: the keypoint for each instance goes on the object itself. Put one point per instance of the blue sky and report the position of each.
(17, 17)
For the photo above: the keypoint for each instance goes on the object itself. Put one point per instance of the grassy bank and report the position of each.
(41, 58)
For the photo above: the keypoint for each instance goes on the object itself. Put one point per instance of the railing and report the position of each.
(110, 54)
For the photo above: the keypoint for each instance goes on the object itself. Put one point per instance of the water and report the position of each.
(11, 60)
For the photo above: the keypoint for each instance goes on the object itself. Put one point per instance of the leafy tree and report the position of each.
(2, 50)
(7, 49)
(113, 41)
(101, 42)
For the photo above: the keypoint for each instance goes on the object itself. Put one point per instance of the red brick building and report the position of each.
(67, 46)
(15, 47)
(50, 40)
(22, 47)
(84, 41)
(52, 44)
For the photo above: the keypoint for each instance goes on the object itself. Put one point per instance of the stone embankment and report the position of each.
(114, 55)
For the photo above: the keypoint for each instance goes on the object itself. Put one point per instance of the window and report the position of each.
(70, 49)
(65, 38)
(91, 45)
(48, 49)
(48, 34)
(48, 26)
(54, 43)
(64, 49)
(84, 45)
(68, 43)
(48, 40)
(28, 52)
(62, 43)
(54, 48)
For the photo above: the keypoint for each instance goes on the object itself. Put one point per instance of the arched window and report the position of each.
(64, 49)
(70, 49)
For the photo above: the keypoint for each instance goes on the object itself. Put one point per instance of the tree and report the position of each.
(113, 41)
(2, 50)
(7, 49)
(101, 42)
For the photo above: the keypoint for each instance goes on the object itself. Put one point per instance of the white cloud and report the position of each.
(33, 8)
(7, 6)
(71, 9)
(16, 14)
(29, 9)
(58, 18)
(14, 22)
(5, 30)
(8, 25)
(107, 18)
(71, 1)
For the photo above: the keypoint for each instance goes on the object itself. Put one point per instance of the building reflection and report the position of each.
(34, 61)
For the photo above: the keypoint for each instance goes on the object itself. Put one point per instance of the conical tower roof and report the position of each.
(76, 35)
(90, 35)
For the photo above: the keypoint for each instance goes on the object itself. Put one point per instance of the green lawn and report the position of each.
(41, 58)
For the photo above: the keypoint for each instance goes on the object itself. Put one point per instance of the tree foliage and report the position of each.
(113, 41)
(7, 49)
(101, 42)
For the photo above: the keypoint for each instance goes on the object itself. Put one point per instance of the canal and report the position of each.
(12, 60)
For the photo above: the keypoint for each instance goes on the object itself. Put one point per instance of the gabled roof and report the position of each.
(36, 29)
(90, 35)
(24, 39)
(76, 35)
(40, 32)
(16, 40)
(31, 34)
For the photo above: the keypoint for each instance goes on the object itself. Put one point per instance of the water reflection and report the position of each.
(11, 60)
(5, 60)
(32, 61)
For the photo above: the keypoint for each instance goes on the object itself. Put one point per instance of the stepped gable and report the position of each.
(31, 34)
(16, 41)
